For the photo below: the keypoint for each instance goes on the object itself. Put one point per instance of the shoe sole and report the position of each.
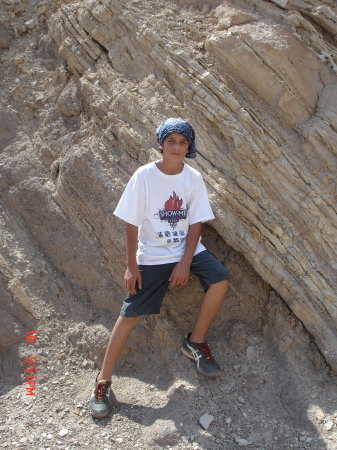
(186, 353)
(99, 416)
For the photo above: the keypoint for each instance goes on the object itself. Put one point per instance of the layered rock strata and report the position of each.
(268, 158)
(258, 82)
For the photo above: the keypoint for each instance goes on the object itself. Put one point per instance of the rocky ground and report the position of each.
(158, 399)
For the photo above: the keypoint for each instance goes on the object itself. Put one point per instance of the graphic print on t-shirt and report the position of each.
(173, 211)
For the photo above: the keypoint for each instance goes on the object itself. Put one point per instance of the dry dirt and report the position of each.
(158, 399)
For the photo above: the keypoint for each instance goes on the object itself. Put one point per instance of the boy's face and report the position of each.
(175, 147)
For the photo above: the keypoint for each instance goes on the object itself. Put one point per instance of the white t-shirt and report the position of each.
(163, 207)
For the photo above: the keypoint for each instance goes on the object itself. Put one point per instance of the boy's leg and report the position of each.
(215, 280)
(99, 401)
(209, 308)
(146, 301)
(118, 338)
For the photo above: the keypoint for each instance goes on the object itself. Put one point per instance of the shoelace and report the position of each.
(206, 350)
(100, 391)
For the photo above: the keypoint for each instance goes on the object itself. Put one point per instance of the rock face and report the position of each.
(91, 80)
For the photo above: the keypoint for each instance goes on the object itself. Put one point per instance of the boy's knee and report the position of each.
(225, 284)
(221, 286)
(129, 319)
(128, 322)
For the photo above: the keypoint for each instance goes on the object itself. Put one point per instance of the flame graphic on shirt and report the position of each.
(173, 203)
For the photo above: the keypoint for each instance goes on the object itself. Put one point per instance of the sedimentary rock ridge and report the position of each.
(258, 81)
(268, 158)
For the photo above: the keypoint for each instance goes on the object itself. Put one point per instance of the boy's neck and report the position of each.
(168, 168)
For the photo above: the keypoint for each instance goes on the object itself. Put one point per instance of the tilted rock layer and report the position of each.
(258, 82)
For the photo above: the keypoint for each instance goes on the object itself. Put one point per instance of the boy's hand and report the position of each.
(180, 274)
(131, 277)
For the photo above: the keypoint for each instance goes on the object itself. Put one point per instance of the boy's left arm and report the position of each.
(181, 271)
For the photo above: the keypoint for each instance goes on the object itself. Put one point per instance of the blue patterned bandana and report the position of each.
(178, 126)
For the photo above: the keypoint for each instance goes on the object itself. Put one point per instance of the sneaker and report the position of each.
(99, 400)
(201, 353)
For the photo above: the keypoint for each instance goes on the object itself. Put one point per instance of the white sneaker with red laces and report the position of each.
(99, 400)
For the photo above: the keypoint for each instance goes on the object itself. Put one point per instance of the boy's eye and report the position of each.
(172, 141)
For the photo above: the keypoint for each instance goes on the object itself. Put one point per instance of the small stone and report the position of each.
(63, 432)
(328, 425)
(206, 420)
(49, 436)
(22, 29)
(320, 415)
(241, 399)
(251, 353)
(206, 9)
(228, 420)
(16, 60)
(119, 439)
(242, 442)
(185, 439)
(30, 24)
(42, 10)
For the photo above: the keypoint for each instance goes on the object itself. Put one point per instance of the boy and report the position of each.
(163, 206)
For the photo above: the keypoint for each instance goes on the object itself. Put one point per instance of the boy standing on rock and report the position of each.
(164, 205)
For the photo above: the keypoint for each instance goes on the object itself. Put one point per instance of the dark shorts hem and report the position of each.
(223, 278)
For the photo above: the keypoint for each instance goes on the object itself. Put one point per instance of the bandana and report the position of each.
(178, 126)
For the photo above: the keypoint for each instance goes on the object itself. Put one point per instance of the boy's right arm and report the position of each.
(132, 273)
